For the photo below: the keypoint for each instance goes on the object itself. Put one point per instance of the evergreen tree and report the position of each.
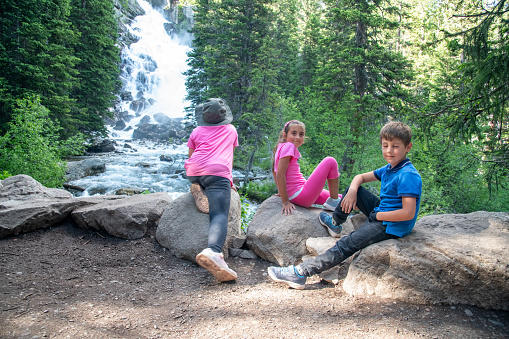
(362, 80)
(98, 67)
(37, 56)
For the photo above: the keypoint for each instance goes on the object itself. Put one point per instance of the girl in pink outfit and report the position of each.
(293, 188)
(209, 168)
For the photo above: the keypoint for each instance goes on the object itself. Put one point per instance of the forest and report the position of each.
(343, 67)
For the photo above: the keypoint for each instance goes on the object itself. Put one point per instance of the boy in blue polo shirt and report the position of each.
(391, 216)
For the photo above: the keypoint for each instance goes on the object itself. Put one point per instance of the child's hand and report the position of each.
(288, 208)
(349, 201)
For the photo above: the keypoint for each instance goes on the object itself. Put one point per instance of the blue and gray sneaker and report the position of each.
(331, 204)
(287, 275)
(329, 223)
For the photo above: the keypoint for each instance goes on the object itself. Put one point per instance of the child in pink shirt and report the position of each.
(209, 168)
(293, 188)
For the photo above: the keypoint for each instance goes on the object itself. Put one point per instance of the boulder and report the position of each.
(162, 119)
(282, 239)
(127, 218)
(26, 205)
(183, 230)
(84, 168)
(451, 258)
(102, 146)
(23, 187)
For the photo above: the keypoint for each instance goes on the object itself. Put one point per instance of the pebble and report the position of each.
(469, 313)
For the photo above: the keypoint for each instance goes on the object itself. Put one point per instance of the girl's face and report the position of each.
(295, 134)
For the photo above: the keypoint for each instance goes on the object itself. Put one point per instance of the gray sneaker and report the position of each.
(329, 223)
(288, 276)
(331, 204)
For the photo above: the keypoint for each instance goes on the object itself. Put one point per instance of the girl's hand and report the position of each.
(288, 208)
(349, 201)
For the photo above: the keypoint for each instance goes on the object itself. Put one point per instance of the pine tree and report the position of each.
(37, 56)
(98, 67)
(362, 79)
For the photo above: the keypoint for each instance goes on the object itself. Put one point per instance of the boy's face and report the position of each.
(394, 151)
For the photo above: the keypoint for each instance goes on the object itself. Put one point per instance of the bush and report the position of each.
(31, 145)
(259, 191)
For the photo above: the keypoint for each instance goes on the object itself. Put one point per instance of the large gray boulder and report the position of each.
(452, 258)
(127, 218)
(23, 187)
(184, 230)
(26, 205)
(84, 168)
(282, 239)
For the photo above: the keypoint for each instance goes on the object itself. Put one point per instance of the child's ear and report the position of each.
(408, 147)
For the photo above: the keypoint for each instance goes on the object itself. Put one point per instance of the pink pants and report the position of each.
(312, 191)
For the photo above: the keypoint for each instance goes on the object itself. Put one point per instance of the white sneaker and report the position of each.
(215, 264)
(331, 204)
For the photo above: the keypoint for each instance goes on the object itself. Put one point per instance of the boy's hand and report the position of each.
(288, 208)
(349, 201)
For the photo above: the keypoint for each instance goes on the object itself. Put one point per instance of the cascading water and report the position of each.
(153, 84)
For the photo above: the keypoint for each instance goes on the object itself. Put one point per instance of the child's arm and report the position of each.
(350, 199)
(403, 214)
(191, 151)
(282, 166)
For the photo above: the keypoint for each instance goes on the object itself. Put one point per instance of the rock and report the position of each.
(26, 205)
(282, 239)
(183, 230)
(238, 241)
(127, 218)
(84, 168)
(102, 146)
(247, 254)
(241, 253)
(166, 158)
(130, 190)
(119, 125)
(138, 106)
(317, 246)
(23, 187)
(451, 258)
(162, 118)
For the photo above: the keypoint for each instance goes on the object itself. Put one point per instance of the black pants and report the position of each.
(369, 233)
(218, 191)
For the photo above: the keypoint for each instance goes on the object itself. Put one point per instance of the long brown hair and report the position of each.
(282, 139)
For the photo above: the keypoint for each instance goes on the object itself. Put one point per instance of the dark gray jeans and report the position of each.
(218, 191)
(369, 233)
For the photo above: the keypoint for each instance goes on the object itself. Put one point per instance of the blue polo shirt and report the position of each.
(401, 181)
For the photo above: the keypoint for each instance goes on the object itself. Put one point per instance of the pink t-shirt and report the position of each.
(213, 151)
(294, 178)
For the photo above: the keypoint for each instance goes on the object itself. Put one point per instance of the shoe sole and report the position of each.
(331, 232)
(288, 283)
(329, 207)
(220, 273)
(202, 203)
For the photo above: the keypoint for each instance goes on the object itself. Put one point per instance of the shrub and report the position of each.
(31, 145)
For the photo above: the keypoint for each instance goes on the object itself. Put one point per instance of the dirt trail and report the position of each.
(65, 282)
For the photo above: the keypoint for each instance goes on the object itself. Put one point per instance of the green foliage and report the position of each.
(4, 175)
(64, 52)
(246, 213)
(259, 191)
(31, 145)
(343, 68)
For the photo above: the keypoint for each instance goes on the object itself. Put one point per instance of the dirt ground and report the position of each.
(65, 282)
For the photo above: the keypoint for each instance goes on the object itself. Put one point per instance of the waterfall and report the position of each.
(152, 71)
(153, 84)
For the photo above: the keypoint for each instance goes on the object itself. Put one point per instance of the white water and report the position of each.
(165, 85)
